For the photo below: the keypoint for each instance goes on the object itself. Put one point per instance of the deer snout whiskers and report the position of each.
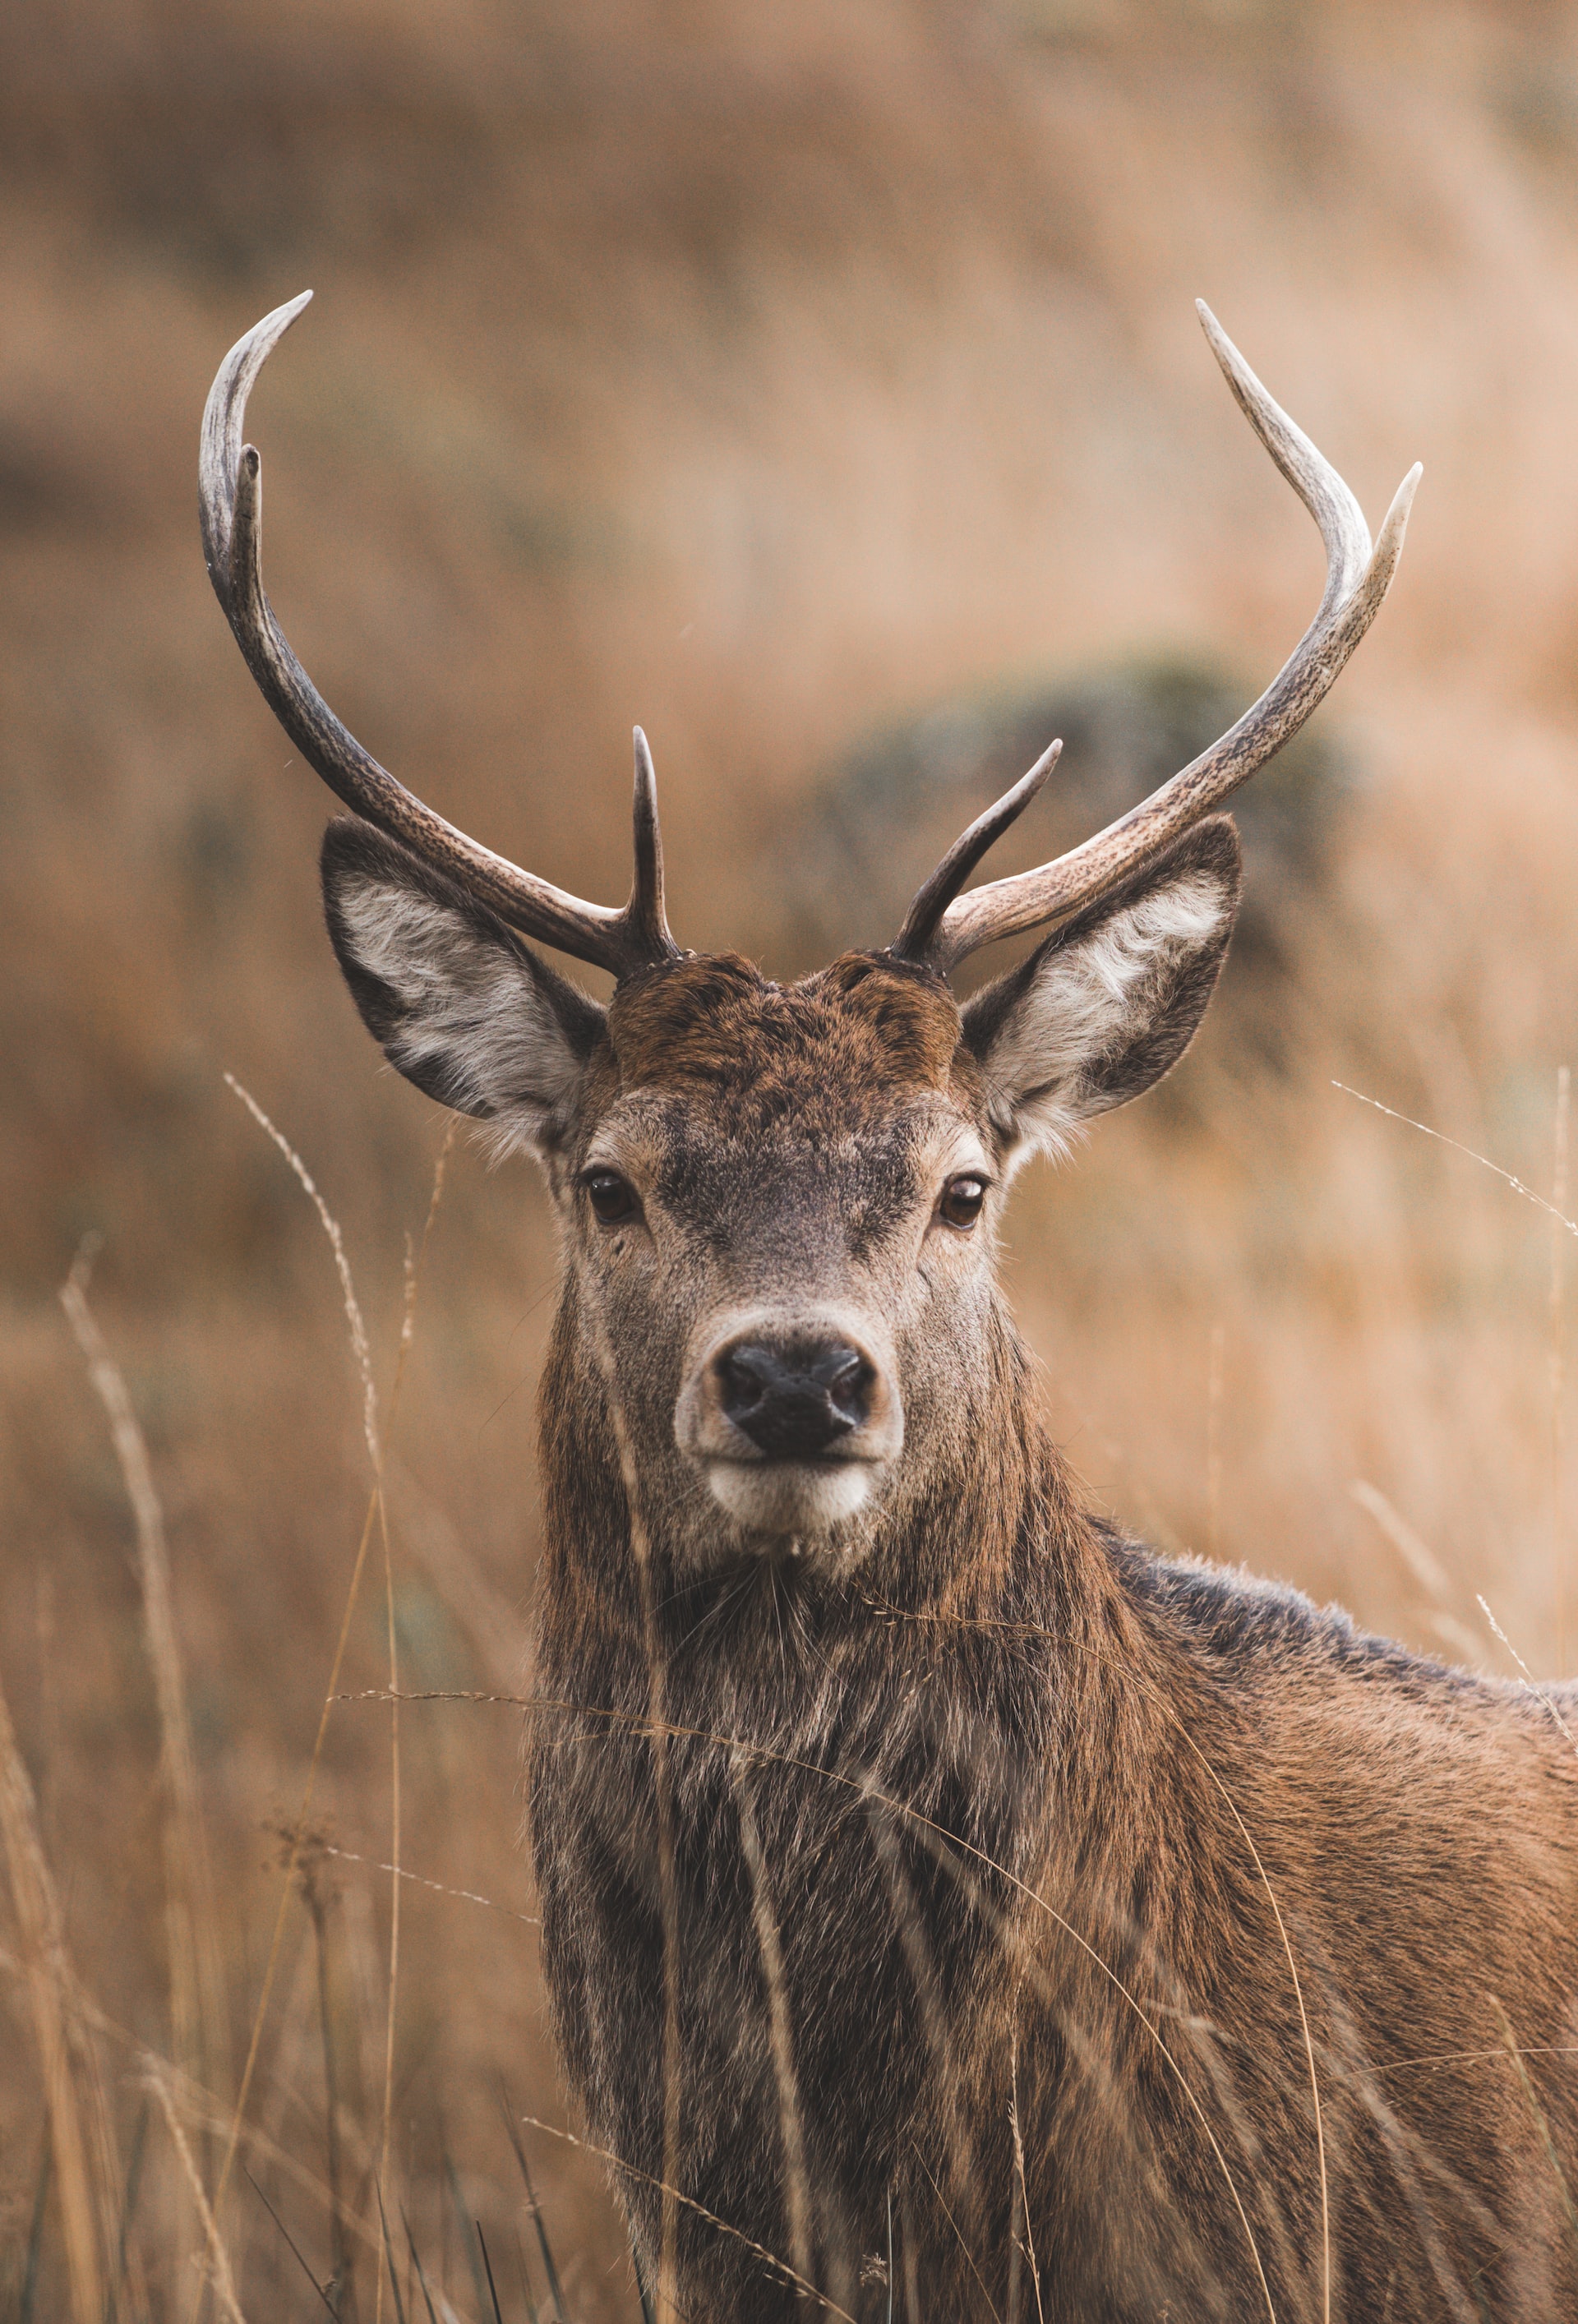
(792, 1418)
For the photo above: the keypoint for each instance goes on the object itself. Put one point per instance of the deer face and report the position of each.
(778, 1205)
(785, 1196)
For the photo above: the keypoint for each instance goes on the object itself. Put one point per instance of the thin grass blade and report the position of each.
(640, 2285)
(389, 2257)
(555, 2289)
(50, 1993)
(493, 2287)
(35, 2235)
(416, 2258)
(128, 2210)
(467, 2240)
(525, 2279)
(890, 2255)
(291, 2241)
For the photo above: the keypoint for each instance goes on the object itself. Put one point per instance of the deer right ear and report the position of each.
(1110, 1003)
(454, 999)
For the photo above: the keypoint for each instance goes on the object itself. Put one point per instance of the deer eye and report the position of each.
(962, 1199)
(612, 1198)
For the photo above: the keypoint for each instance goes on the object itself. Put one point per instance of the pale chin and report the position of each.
(790, 1497)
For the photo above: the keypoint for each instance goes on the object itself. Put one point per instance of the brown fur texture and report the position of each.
(979, 1870)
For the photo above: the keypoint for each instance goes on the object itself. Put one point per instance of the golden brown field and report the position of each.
(773, 377)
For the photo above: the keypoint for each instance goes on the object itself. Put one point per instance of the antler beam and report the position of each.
(1357, 580)
(230, 489)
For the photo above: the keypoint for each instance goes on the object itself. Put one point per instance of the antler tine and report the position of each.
(230, 488)
(648, 921)
(1357, 580)
(915, 938)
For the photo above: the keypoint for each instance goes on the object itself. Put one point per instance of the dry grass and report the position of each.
(762, 381)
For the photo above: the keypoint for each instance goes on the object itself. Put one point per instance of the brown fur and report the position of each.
(714, 1025)
(1062, 1843)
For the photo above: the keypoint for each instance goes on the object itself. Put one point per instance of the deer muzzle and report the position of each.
(792, 1418)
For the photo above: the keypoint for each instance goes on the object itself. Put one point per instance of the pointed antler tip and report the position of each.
(1220, 346)
(1396, 516)
(274, 326)
(643, 915)
(918, 938)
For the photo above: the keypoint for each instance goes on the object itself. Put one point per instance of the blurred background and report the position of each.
(821, 387)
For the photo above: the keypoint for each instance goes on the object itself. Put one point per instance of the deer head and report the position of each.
(777, 1205)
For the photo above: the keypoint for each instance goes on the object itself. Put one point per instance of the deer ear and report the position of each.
(455, 999)
(1110, 1003)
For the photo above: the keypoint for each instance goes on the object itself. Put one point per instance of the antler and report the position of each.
(230, 488)
(944, 926)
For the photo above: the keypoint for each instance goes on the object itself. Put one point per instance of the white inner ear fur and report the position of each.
(1087, 999)
(469, 1008)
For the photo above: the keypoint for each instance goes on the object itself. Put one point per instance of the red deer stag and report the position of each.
(951, 1908)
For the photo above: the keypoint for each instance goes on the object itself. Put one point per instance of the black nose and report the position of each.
(795, 1401)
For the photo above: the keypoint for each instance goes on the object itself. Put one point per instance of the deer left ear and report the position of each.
(1110, 1003)
(454, 999)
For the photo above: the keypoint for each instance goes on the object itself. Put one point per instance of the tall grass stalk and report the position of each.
(218, 2257)
(374, 1514)
(50, 1988)
(1019, 2164)
(341, 2262)
(394, 1867)
(796, 2183)
(415, 1260)
(199, 2017)
(360, 1350)
(121, 2277)
(659, 1734)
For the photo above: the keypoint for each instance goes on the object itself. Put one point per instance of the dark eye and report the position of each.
(962, 1199)
(612, 1198)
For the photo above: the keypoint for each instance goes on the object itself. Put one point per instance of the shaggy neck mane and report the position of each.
(998, 1543)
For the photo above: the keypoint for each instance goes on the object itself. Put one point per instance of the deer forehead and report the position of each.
(859, 1049)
